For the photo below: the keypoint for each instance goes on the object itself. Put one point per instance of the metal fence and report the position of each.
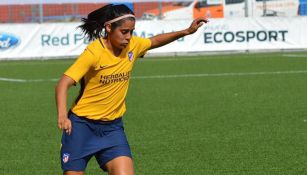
(154, 10)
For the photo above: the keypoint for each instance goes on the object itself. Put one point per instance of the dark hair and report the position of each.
(93, 25)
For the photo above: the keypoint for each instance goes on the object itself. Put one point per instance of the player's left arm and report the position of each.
(163, 39)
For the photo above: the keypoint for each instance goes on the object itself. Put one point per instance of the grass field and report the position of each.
(240, 114)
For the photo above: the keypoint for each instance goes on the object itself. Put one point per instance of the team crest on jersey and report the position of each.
(65, 157)
(130, 56)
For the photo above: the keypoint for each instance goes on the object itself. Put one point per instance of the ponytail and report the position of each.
(93, 25)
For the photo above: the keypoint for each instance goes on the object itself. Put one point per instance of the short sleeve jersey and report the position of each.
(104, 79)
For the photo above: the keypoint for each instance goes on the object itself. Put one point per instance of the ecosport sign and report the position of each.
(62, 40)
(245, 36)
(233, 34)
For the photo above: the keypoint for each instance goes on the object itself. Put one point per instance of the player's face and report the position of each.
(122, 34)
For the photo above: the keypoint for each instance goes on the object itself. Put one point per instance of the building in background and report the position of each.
(186, 10)
(73, 10)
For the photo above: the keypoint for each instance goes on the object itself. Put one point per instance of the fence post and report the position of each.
(246, 8)
(41, 12)
(264, 8)
(160, 10)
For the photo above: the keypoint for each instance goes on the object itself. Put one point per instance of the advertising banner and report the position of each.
(62, 40)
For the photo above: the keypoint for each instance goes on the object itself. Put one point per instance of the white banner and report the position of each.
(22, 41)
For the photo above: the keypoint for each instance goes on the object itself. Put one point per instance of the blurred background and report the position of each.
(47, 28)
(64, 11)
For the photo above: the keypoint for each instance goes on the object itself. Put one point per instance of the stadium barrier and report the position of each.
(62, 40)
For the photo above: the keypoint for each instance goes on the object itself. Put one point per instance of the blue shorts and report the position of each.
(104, 140)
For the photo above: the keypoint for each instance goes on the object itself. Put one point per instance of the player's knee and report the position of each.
(120, 166)
(121, 172)
(73, 173)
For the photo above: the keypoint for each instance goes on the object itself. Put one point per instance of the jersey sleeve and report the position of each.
(81, 66)
(142, 46)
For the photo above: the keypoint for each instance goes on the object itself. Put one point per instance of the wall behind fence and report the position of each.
(62, 40)
(29, 11)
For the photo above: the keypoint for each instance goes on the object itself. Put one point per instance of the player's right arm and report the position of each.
(61, 92)
(166, 38)
(72, 75)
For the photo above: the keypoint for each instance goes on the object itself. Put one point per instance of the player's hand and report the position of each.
(64, 124)
(196, 24)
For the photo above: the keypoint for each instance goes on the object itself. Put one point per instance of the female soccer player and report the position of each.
(93, 125)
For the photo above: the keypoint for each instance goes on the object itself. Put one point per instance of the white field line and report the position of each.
(149, 59)
(25, 81)
(219, 74)
(172, 76)
(33, 63)
(201, 57)
(295, 55)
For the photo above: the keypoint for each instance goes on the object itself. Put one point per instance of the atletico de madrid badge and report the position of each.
(65, 157)
(130, 56)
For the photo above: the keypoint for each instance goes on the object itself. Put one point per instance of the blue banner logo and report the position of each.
(8, 41)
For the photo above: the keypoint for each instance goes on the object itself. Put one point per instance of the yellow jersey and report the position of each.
(104, 79)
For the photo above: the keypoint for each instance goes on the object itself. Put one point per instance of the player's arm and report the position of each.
(163, 39)
(71, 76)
(61, 91)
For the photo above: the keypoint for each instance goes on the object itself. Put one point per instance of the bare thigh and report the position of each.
(73, 173)
(122, 165)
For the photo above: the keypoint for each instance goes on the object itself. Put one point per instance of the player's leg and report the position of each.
(74, 152)
(73, 173)
(122, 165)
(75, 167)
(116, 160)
